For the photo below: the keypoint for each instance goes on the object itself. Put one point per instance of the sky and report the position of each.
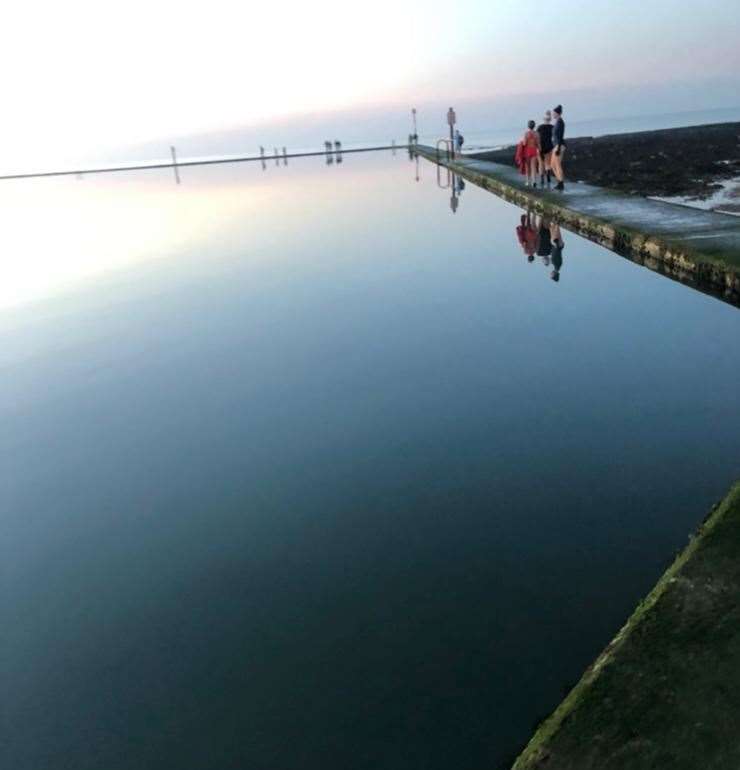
(84, 76)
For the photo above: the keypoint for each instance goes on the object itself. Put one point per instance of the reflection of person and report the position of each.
(544, 243)
(557, 251)
(527, 236)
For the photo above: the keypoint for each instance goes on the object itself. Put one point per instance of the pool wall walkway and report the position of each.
(666, 691)
(699, 248)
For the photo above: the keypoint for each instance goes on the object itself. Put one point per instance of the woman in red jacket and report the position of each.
(531, 144)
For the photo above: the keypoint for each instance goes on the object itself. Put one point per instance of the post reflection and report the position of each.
(173, 152)
(414, 158)
(457, 185)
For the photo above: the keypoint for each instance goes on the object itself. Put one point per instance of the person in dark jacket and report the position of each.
(545, 132)
(558, 141)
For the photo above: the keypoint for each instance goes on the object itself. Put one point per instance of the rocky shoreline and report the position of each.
(694, 162)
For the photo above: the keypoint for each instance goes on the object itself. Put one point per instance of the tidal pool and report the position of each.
(301, 469)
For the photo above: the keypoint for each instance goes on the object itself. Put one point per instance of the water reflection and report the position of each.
(449, 181)
(414, 156)
(557, 251)
(348, 465)
(457, 185)
(526, 234)
(544, 243)
(173, 152)
(538, 236)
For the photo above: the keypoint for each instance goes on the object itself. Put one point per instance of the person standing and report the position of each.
(545, 133)
(531, 143)
(558, 140)
(459, 140)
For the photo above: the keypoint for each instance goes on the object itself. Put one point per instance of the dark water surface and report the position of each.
(302, 471)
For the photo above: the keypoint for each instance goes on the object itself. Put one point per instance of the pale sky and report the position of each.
(83, 73)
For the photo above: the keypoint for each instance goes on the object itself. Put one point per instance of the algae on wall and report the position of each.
(666, 691)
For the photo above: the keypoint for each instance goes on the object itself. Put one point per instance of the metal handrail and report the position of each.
(439, 178)
(448, 145)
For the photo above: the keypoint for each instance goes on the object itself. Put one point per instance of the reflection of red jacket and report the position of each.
(528, 238)
(520, 160)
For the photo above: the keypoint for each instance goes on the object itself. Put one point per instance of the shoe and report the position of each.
(535, 185)
(559, 186)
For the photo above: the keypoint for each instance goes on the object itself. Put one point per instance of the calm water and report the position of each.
(301, 470)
